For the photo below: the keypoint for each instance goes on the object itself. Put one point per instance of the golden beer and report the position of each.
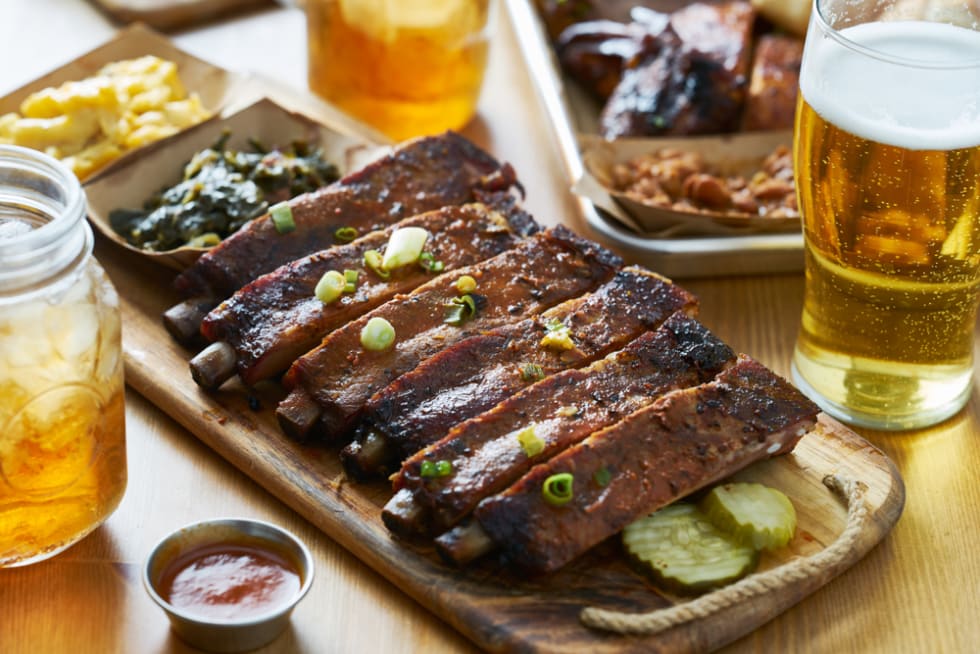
(408, 68)
(888, 176)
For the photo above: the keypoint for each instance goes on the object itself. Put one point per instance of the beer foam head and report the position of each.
(909, 83)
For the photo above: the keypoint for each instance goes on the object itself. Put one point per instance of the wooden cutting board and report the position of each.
(171, 14)
(495, 609)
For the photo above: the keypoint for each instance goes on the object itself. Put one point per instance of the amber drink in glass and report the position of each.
(62, 422)
(887, 159)
(405, 67)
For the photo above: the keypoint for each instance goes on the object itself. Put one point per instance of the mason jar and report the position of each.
(62, 419)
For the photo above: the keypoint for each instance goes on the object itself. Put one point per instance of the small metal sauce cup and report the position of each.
(227, 635)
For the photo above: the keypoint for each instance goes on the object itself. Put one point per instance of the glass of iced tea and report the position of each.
(62, 422)
(405, 67)
(887, 158)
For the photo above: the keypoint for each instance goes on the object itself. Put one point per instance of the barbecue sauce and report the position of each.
(230, 580)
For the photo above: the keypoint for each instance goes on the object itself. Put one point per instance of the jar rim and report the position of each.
(32, 182)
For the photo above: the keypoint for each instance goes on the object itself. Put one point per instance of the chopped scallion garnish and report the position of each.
(558, 336)
(282, 217)
(372, 259)
(466, 284)
(404, 247)
(530, 442)
(330, 287)
(460, 309)
(345, 234)
(430, 469)
(377, 334)
(531, 372)
(350, 280)
(557, 489)
(429, 263)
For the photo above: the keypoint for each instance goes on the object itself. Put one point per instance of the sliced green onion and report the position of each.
(557, 489)
(377, 334)
(350, 280)
(460, 309)
(530, 442)
(372, 259)
(404, 247)
(602, 477)
(558, 336)
(430, 469)
(282, 217)
(531, 372)
(345, 234)
(555, 325)
(465, 284)
(429, 263)
(330, 287)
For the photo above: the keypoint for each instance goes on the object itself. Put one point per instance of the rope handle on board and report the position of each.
(796, 570)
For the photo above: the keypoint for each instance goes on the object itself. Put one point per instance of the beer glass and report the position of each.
(887, 159)
(406, 67)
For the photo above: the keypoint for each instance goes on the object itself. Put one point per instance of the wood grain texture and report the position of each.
(498, 610)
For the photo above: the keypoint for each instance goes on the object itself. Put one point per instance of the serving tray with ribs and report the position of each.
(694, 412)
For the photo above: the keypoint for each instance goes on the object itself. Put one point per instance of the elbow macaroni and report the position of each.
(90, 122)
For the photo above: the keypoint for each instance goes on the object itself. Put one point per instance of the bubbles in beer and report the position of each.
(887, 162)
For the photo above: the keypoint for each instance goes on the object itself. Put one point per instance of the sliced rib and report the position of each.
(486, 455)
(686, 440)
(419, 407)
(333, 382)
(277, 318)
(421, 175)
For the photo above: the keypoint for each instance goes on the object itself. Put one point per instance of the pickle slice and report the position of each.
(754, 514)
(681, 550)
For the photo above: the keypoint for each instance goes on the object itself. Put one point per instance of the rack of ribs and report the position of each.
(419, 407)
(421, 175)
(684, 441)
(271, 321)
(486, 455)
(331, 384)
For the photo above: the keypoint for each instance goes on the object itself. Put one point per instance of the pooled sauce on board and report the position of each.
(230, 580)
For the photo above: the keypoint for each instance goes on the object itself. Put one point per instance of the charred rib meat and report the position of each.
(421, 175)
(684, 441)
(277, 318)
(487, 453)
(690, 79)
(419, 407)
(331, 384)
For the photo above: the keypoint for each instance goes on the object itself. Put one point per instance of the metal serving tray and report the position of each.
(701, 256)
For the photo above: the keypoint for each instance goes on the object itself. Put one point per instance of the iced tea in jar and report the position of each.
(406, 67)
(62, 422)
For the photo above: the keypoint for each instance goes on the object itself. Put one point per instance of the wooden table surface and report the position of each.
(918, 591)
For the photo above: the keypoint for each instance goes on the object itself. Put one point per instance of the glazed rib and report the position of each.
(686, 440)
(421, 175)
(419, 407)
(332, 383)
(485, 452)
(277, 318)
